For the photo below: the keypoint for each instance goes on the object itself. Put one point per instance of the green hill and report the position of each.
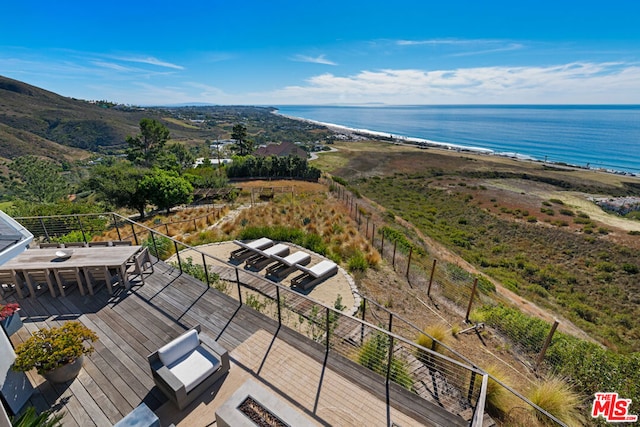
(39, 122)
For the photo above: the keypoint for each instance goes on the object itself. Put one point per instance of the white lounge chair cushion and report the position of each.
(177, 348)
(295, 258)
(194, 367)
(279, 250)
(260, 243)
(322, 268)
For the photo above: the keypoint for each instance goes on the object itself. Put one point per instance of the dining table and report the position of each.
(49, 260)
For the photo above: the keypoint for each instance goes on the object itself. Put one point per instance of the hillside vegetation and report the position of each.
(34, 121)
(543, 249)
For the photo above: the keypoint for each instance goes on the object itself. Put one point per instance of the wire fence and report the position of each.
(375, 337)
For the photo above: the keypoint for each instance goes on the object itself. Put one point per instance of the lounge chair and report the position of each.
(286, 265)
(248, 249)
(314, 275)
(263, 258)
(185, 367)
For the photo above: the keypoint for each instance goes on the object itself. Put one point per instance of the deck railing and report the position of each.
(438, 375)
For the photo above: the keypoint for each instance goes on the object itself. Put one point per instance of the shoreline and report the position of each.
(427, 143)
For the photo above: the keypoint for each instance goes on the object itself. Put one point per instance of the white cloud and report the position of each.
(150, 60)
(320, 59)
(564, 83)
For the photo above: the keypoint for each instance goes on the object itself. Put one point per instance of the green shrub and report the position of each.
(358, 262)
(164, 246)
(30, 418)
(556, 201)
(567, 212)
(374, 355)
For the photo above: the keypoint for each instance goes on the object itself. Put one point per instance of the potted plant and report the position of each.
(9, 317)
(57, 353)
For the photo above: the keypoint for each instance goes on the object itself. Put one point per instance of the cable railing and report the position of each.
(449, 381)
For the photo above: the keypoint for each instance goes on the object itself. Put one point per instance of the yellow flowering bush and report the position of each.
(48, 349)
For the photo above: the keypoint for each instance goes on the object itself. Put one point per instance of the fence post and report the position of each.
(155, 246)
(133, 231)
(382, 245)
(546, 343)
(473, 292)
(373, 234)
(195, 226)
(390, 321)
(433, 270)
(409, 261)
(366, 231)
(393, 262)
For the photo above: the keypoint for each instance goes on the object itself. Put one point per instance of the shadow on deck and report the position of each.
(328, 388)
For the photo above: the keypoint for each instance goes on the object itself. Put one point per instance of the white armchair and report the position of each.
(185, 367)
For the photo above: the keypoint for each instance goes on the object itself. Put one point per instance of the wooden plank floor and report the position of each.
(116, 377)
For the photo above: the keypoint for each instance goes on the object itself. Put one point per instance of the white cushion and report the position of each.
(278, 250)
(296, 257)
(177, 348)
(194, 367)
(261, 243)
(322, 268)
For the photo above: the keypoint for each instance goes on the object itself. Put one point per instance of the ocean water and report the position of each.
(593, 136)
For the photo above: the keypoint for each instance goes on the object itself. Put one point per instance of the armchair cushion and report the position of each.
(179, 347)
(194, 367)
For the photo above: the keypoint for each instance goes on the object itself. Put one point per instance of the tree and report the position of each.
(119, 185)
(42, 180)
(243, 146)
(166, 189)
(145, 147)
(184, 157)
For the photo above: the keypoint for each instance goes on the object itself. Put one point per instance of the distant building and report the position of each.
(214, 162)
(281, 150)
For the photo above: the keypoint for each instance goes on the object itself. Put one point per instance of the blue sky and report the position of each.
(281, 52)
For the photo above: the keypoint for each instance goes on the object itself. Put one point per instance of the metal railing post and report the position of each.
(238, 283)
(84, 238)
(175, 245)
(206, 270)
(115, 223)
(328, 311)
(44, 228)
(155, 246)
(135, 236)
(390, 360)
(278, 301)
(364, 310)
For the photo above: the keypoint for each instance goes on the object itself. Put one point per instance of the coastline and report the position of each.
(427, 143)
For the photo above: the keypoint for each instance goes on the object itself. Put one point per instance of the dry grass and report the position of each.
(555, 396)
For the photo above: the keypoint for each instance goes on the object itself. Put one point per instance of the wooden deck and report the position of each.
(116, 378)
